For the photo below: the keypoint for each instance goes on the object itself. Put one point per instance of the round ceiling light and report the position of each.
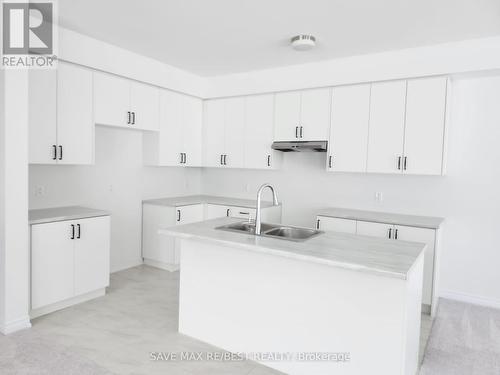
(303, 42)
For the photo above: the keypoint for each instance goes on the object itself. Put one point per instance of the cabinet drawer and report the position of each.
(242, 213)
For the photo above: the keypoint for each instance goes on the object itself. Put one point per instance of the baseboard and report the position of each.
(35, 313)
(161, 265)
(16, 325)
(468, 298)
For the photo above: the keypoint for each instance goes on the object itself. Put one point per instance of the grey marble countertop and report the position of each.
(383, 217)
(210, 199)
(378, 256)
(48, 215)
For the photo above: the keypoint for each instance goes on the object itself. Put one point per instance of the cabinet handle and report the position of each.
(60, 152)
(244, 213)
(72, 231)
(390, 233)
(225, 156)
(133, 118)
(185, 158)
(227, 212)
(182, 157)
(404, 163)
(79, 231)
(178, 215)
(330, 161)
(268, 160)
(296, 132)
(399, 163)
(317, 224)
(395, 234)
(301, 131)
(128, 117)
(55, 152)
(221, 157)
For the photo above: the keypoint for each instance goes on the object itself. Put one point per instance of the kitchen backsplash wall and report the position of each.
(467, 196)
(117, 182)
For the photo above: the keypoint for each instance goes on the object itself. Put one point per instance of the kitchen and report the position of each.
(406, 139)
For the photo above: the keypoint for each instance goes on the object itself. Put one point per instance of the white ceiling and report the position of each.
(215, 37)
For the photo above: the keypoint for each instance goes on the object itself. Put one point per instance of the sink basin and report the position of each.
(274, 231)
(292, 233)
(246, 227)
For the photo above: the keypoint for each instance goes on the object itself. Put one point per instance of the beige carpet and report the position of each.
(465, 340)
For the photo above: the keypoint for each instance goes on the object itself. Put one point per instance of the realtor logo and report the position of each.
(28, 34)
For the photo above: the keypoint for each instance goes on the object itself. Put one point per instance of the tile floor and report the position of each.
(115, 334)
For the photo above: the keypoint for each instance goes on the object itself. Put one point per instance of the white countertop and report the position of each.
(209, 199)
(362, 253)
(383, 217)
(48, 215)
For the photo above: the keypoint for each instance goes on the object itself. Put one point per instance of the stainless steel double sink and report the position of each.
(273, 230)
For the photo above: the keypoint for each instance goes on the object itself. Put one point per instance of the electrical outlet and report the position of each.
(379, 196)
(39, 191)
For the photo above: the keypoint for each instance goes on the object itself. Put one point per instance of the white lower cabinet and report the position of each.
(336, 225)
(68, 259)
(393, 232)
(162, 251)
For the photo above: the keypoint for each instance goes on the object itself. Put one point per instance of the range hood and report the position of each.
(300, 146)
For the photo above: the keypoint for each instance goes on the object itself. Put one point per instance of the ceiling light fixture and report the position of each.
(303, 42)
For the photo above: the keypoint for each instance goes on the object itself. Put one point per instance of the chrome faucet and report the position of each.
(257, 213)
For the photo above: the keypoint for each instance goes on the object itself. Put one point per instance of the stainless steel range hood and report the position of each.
(300, 146)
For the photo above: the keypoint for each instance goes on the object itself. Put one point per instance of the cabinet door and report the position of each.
(427, 236)
(42, 116)
(155, 246)
(75, 126)
(214, 211)
(259, 130)
(386, 130)
(287, 116)
(368, 228)
(348, 145)
(170, 134)
(192, 119)
(145, 106)
(189, 214)
(336, 224)
(92, 245)
(234, 132)
(425, 123)
(315, 114)
(111, 100)
(214, 112)
(52, 259)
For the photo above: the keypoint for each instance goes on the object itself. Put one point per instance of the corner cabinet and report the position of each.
(125, 103)
(61, 128)
(69, 262)
(302, 115)
(179, 140)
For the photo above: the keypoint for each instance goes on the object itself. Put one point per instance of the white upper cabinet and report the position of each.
(259, 132)
(302, 115)
(178, 141)
(387, 121)
(125, 103)
(234, 132)
(144, 105)
(42, 116)
(214, 132)
(425, 126)
(61, 128)
(348, 144)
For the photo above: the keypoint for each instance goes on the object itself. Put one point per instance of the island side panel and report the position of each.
(244, 301)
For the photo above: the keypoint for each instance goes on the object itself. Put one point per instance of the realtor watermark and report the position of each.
(220, 356)
(29, 34)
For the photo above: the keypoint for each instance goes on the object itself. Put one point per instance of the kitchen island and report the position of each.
(333, 304)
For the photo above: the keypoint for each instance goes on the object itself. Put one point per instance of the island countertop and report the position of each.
(379, 256)
(206, 199)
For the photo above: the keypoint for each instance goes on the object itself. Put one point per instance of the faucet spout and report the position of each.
(258, 222)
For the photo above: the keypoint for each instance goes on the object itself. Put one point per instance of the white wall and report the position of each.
(467, 197)
(118, 182)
